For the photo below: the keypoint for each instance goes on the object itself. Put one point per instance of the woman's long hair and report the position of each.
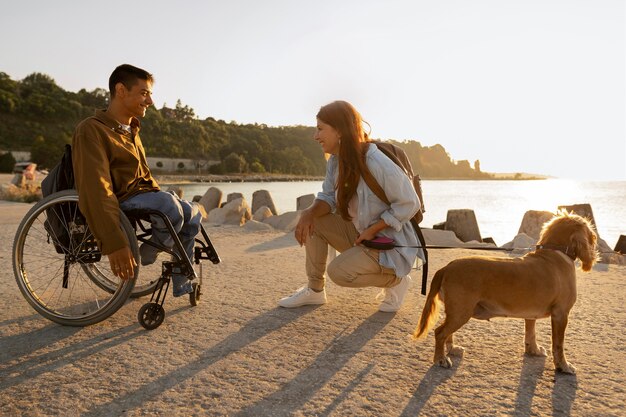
(347, 121)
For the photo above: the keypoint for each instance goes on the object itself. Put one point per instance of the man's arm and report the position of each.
(97, 200)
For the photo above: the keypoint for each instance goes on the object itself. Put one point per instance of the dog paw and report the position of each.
(536, 351)
(566, 368)
(444, 362)
(456, 351)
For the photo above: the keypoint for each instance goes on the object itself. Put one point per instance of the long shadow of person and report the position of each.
(296, 392)
(252, 331)
(27, 363)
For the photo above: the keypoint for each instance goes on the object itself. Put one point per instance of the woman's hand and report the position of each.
(304, 228)
(371, 232)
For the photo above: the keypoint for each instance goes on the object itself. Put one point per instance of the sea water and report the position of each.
(499, 205)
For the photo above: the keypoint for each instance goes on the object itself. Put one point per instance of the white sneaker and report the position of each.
(394, 296)
(302, 297)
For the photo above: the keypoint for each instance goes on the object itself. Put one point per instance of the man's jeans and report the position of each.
(184, 216)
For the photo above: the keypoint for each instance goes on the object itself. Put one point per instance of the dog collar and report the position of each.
(564, 249)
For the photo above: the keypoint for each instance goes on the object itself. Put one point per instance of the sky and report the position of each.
(536, 86)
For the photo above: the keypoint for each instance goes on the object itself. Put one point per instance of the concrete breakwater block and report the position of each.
(176, 190)
(261, 213)
(211, 199)
(583, 210)
(464, 225)
(620, 246)
(234, 212)
(233, 196)
(533, 222)
(262, 198)
(305, 201)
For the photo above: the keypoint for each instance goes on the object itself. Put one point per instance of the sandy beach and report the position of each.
(238, 354)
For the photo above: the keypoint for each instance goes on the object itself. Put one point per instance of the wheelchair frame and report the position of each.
(65, 278)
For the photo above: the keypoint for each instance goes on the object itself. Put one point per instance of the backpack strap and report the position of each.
(420, 237)
(380, 193)
(374, 185)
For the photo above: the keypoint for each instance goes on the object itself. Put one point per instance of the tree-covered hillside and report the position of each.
(39, 116)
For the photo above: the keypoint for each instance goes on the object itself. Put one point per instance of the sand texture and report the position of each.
(238, 354)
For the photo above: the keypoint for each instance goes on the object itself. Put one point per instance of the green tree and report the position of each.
(7, 162)
(47, 152)
(234, 163)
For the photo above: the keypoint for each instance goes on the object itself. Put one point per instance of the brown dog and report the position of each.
(538, 285)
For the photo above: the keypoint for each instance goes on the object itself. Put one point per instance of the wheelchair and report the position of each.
(63, 275)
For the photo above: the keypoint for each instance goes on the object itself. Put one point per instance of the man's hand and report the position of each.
(122, 263)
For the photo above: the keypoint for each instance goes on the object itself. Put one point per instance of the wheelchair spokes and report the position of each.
(52, 247)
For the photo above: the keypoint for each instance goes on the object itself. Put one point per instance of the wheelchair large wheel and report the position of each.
(145, 282)
(52, 246)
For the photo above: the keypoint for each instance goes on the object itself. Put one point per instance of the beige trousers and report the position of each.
(355, 266)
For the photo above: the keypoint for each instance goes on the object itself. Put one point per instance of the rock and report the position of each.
(463, 223)
(201, 210)
(262, 213)
(533, 221)
(196, 198)
(211, 199)
(19, 181)
(286, 221)
(583, 210)
(235, 212)
(256, 226)
(489, 240)
(305, 201)
(440, 226)
(441, 237)
(176, 190)
(522, 243)
(606, 254)
(262, 198)
(620, 246)
(233, 196)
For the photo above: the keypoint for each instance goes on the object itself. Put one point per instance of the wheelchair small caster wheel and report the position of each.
(151, 315)
(194, 296)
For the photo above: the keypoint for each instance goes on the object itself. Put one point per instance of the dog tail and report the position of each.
(430, 314)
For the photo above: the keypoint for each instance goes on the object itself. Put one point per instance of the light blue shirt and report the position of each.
(404, 203)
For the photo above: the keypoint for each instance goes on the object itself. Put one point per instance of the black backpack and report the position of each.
(60, 178)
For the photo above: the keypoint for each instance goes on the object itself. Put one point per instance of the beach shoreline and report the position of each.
(237, 353)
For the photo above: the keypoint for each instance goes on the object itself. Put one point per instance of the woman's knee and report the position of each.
(338, 274)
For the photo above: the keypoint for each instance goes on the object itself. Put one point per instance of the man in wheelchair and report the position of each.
(111, 173)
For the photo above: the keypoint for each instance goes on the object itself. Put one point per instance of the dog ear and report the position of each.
(583, 246)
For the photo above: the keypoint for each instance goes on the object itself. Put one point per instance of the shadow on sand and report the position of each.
(252, 331)
(29, 365)
(297, 392)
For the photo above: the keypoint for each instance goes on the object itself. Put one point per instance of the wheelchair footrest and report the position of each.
(206, 252)
(178, 268)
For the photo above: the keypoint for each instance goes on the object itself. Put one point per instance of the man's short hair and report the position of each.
(127, 75)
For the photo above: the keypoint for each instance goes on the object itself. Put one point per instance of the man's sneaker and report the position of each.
(302, 297)
(184, 289)
(148, 254)
(394, 296)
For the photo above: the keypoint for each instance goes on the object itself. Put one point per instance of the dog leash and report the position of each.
(385, 243)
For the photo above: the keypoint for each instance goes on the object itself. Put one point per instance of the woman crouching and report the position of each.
(346, 212)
